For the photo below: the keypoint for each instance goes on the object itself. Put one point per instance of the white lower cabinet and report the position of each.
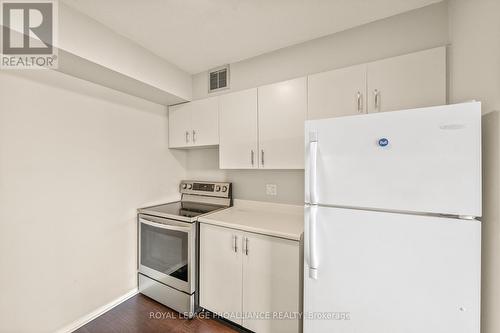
(270, 282)
(249, 277)
(220, 270)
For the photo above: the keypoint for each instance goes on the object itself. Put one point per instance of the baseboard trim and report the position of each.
(96, 313)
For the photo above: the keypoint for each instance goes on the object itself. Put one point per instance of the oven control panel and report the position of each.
(214, 189)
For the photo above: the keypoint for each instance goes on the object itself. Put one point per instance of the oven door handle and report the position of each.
(165, 226)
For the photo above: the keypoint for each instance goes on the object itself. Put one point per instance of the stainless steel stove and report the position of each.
(168, 244)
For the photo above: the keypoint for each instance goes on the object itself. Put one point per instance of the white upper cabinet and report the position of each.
(341, 92)
(409, 81)
(282, 112)
(194, 124)
(238, 147)
(263, 128)
(205, 123)
(179, 125)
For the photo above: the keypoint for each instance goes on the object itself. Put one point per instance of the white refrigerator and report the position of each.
(391, 240)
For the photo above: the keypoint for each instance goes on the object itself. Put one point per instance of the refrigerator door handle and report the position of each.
(313, 154)
(313, 257)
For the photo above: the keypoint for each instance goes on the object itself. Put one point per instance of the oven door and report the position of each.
(167, 251)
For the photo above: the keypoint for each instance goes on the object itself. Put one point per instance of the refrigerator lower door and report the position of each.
(390, 273)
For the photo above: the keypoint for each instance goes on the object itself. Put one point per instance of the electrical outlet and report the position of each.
(271, 189)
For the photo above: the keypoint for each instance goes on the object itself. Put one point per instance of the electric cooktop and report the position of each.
(198, 198)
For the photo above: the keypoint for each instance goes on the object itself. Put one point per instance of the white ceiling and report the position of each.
(197, 35)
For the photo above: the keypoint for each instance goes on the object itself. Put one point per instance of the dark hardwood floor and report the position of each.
(141, 314)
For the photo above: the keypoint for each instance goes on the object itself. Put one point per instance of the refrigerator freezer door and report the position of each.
(421, 160)
(391, 273)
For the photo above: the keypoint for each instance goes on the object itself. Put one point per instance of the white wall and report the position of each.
(91, 40)
(405, 33)
(203, 164)
(474, 53)
(491, 224)
(76, 160)
(416, 30)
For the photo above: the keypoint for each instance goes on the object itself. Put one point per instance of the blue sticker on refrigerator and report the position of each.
(383, 142)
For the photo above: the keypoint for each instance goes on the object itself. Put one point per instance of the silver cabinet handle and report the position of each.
(235, 243)
(251, 157)
(246, 246)
(360, 107)
(187, 136)
(376, 94)
(194, 138)
(262, 156)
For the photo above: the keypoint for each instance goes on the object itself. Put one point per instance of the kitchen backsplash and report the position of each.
(203, 164)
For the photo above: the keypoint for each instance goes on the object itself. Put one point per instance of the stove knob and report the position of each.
(224, 188)
(217, 188)
(190, 186)
(184, 186)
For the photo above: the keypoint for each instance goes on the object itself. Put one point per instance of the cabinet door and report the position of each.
(220, 270)
(409, 81)
(238, 147)
(179, 125)
(336, 93)
(205, 122)
(271, 275)
(282, 112)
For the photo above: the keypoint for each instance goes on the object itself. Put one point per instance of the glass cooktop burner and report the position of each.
(187, 209)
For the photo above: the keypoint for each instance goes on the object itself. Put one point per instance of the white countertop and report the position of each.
(279, 220)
